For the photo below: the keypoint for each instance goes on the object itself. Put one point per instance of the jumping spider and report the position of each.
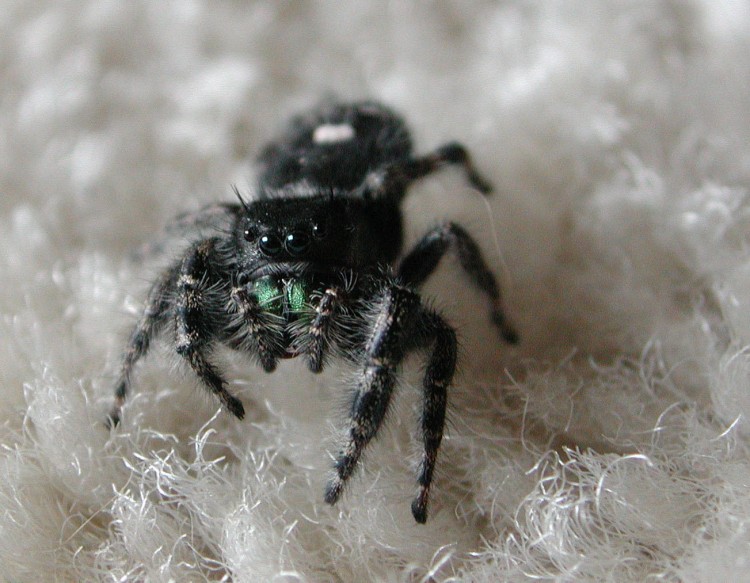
(309, 267)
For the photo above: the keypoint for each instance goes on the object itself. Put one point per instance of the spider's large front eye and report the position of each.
(270, 244)
(297, 242)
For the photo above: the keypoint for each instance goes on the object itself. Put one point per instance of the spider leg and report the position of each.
(450, 153)
(152, 319)
(196, 297)
(438, 376)
(319, 328)
(383, 352)
(421, 261)
(398, 175)
(253, 332)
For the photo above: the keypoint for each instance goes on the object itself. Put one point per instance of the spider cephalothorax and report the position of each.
(311, 266)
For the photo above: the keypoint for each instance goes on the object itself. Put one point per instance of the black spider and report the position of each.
(310, 268)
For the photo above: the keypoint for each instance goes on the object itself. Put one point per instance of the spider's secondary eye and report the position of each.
(250, 233)
(270, 244)
(297, 242)
(319, 230)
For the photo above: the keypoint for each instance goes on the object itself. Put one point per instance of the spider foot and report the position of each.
(507, 331)
(333, 491)
(235, 407)
(419, 505)
(113, 419)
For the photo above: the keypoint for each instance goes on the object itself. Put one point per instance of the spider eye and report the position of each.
(270, 244)
(297, 242)
(319, 230)
(250, 233)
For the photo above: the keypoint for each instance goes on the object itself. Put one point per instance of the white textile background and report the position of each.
(612, 444)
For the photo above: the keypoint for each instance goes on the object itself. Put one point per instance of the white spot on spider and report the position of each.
(332, 133)
(375, 180)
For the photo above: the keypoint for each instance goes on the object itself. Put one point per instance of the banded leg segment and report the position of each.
(254, 331)
(193, 332)
(320, 328)
(384, 351)
(153, 318)
(421, 261)
(402, 325)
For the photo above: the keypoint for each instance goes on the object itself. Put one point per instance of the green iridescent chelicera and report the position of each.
(274, 295)
(296, 295)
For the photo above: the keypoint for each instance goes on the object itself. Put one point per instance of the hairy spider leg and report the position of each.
(383, 352)
(402, 324)
(438, 376)
(320, 326)
(152, 319)
(398, 175)
(254, 331)
(423, 259)
(192, 332)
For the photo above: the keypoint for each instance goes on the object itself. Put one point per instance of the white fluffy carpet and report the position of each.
(611, 445)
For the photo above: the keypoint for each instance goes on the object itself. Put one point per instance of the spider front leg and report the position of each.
(254, 329)
(152, 320)
(317, 335)
(401, 324)
(421, 261)
(383, 352)
(437, 378)
(199, 296)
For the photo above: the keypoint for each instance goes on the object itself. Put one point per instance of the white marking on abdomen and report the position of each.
(332, 133)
